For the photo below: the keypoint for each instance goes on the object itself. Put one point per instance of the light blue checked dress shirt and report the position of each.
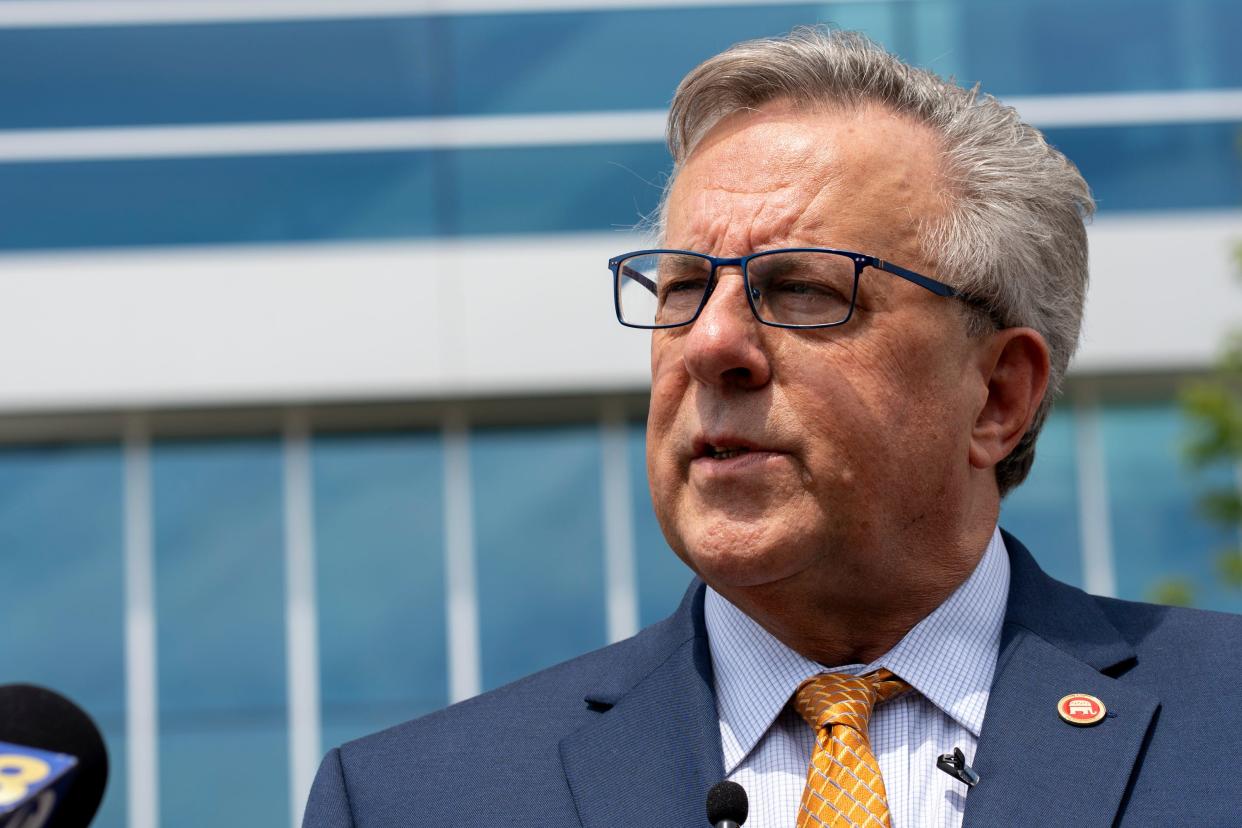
(948, 658)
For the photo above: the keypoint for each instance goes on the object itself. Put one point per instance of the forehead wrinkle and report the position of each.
(770, 179)
(735, 200)
(736, 226)
(880, 194)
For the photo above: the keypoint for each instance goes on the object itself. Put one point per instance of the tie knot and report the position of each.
(839, 698)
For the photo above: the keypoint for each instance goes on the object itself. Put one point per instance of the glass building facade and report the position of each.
(544, 586)
(230, 592)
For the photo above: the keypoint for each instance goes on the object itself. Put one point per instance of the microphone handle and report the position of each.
(727, 823)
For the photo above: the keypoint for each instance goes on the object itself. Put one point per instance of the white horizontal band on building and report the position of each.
(1130, 108)
(16, 14)
(470, 317)
(331, 136)
(472, 132)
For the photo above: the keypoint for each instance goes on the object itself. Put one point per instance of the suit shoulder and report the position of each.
(506, 741)
(548, 704)
(1193, 638)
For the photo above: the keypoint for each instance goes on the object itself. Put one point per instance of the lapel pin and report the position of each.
(1081, 709)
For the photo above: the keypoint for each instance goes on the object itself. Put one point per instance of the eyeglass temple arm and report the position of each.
(631, 273)
(941, 289)
(938, 288)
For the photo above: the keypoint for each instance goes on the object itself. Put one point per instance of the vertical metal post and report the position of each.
(618, 513)
(1095, 519)
(301, 614)
(141, 697)
(461, 586)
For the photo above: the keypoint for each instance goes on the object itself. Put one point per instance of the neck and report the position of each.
(844, 615)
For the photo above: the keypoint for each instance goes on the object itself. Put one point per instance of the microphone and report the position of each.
(954, 764)
(53, 764)
(727, 805)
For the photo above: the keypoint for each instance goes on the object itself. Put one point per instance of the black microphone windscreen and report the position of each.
(727, 801)
(40, 718)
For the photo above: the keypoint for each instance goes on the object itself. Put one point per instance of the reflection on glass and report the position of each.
(392, 67)
(62, 610)
(1160, 167)
(220, 605)
(264, 198)
(379, 552)
(203, 73)
(594, 187)
(476, 192)
(1112, 46)
(539, 541)
(566, 72)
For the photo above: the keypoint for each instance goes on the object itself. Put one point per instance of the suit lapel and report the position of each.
(652, 755)
(1035, 768)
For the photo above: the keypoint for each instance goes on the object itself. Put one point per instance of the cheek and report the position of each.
(903, 369)
(863, 410)
(668, 391)
(906, 401)
(669, 378)
(667, 370)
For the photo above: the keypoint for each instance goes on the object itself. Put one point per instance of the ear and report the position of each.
(1015, 364)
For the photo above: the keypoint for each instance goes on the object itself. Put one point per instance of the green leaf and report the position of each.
(1222, 506)
(1229, 568)
(1215, 415)
(1175, 592)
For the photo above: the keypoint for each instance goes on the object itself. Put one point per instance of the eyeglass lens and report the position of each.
(787, 287)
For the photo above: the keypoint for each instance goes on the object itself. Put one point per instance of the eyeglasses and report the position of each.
(802, 287)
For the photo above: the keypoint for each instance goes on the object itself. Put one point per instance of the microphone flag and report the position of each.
(32, 781)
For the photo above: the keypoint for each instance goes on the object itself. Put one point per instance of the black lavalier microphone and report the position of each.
(45, 735)
(727, 805)
(954, 764)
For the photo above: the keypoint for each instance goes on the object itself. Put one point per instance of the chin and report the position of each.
(730, 555)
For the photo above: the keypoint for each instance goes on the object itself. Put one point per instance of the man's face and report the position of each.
(851, 437)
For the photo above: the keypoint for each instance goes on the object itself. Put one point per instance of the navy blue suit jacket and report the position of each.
(628, 735)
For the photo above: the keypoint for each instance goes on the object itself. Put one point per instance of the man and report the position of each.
(868, 282)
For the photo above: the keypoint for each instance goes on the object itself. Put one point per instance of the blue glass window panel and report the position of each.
(585, 60)
(490, 191)
(1046, 47)
(257, 71)
(379, 553)
(1166, 167)
(220, 610)
(1157, 529)
(539, 547)
(114, 808)
(63, 612)
(1043, 511)
(554, 189)
(661, 576)
(213, 200)
(629, 59)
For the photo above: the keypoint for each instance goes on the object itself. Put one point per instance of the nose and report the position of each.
(725, 346)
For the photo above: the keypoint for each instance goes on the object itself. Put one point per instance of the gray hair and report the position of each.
(1014, 237)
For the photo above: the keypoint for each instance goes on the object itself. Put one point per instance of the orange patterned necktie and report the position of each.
(843, 783)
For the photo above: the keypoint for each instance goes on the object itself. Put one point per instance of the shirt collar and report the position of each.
(949, 657)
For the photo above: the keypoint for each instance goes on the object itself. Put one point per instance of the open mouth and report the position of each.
(720, 453)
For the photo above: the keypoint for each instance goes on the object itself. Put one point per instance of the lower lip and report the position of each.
(746, 462)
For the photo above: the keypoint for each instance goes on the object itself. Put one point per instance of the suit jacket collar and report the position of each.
(653, 756)
(1035, 768)
(1064, 616)
(653, 753)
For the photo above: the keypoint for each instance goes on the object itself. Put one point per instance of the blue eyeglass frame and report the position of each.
(861, 260)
